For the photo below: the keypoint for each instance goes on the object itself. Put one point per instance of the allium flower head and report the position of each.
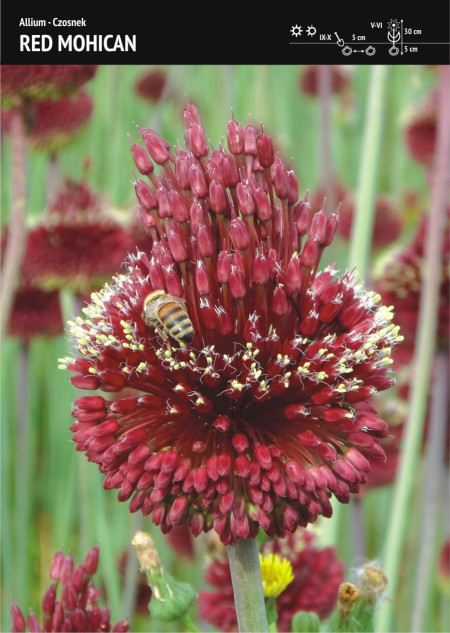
(34, 311)
(317, 575)
(399, 281)
(78, 245)
(251, 369)
(42, 81)
(56, 122)
(421, 130)
(309, 79)
(387, 222)
(77, 608)
(150, 85)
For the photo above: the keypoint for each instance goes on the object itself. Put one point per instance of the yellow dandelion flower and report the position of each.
(276, 574)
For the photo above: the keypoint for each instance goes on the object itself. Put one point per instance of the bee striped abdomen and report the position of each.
(176, 322)
(167, 314)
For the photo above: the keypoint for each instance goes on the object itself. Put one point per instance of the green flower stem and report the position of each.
(424, 351)
(16, 238)
(23, 471)
(243, 558)
(326, 172)
(190, 626)
(434, 477)
(365, 198)
(272, 615)
(130, 585)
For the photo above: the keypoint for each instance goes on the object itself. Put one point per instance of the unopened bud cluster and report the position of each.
(77, 608)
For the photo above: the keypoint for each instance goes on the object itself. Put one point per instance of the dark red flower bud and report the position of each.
(310, 252)
(18, 620)
(197, 216)
(34, 625)
(145, 195)
(302, 216)
(245, 199)
(318, 226)
(49, 599)
(201, 278)
(157, 147)
(280, 179)
(224, 267)
(229, 171)
(218, 197)
(180, 209)
(235, 137)
(330, 229)
(177, 247)
(141, 159)
(250, 140)
(260, 270)
(263, 208)
(197, 181)
(191, 115)
(164, 208)
(280, 304)
(214, 169)
(183, 161)
(237, 283)
(293, 187)
(91, 561)
(239, 234)
(264, 148)
(197, 140)
(205, 241)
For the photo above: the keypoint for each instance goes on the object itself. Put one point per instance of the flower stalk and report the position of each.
(16, 241)
(365, 198)
(434, 477)
(425, 348)
(247, 585)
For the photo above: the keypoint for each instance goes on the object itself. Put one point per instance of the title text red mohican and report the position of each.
(78, 43)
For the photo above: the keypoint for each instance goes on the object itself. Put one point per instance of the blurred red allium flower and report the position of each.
(387, 225)
(79, 245)
(143, 591)
(421, 130)
(317, 197)
(180, 540)
(42, 81)
(309, 79)
(150, 85)
(393, 409)
(77, 609)
(264, 413)
(444, 564)
(317, 576)
(399, 281)
(35, 313)
(55, 123)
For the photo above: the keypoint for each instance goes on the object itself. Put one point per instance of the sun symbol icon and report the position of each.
(296, 30)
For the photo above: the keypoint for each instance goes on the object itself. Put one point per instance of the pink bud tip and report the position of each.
(157, 147)
(235, 137)
(141, 159)
(91, 561)
(264, 147)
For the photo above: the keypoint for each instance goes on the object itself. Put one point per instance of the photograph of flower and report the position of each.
(225, 348)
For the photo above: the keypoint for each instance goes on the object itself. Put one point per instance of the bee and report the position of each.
(168, 316)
